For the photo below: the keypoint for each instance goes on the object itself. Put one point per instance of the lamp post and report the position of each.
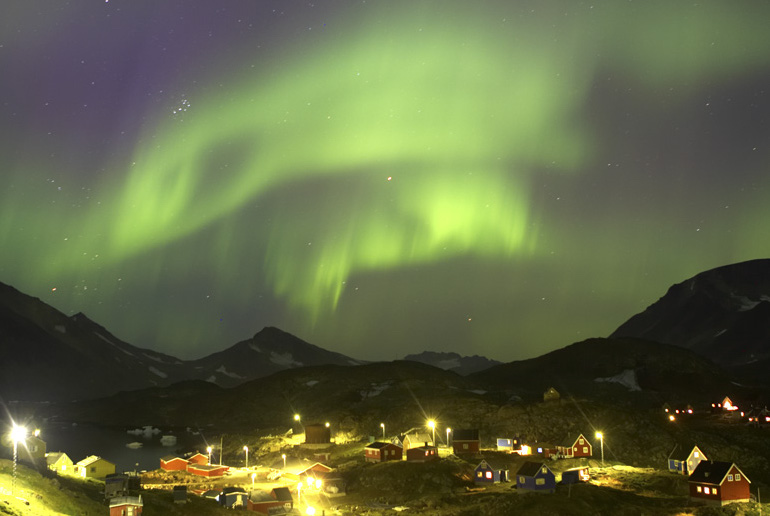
(432, 426)
(601, 440)
(382, 425)
(253, 476)
(208, 450)
(447, 436)
(246, 451)
(18, 433)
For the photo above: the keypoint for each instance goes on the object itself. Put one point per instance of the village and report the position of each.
(310, 472)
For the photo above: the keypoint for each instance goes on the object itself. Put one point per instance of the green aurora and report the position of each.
(408, 176)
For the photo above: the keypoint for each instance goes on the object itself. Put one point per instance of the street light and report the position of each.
(447, 436)
(18, 433)
(432, 426)
(208, 450)
(600, 436)
(382, 425)
(246, 451)
(283, 456)
(253, 476)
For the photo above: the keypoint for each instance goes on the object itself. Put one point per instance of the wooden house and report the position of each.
(547, 450)
(579, 448)
(115, 485)
(422, 454)
(575, 475)
(126, 506)
(277, 501)
(381, 452)
(416, 440)
(297, 469)
(234, 498)
(173, 463)
(94, 466)
(684, 462)
(551, 395)
(60, 463)
(718, 483)
(465, 441)
(535, 477)
(198, 458)
(35, 446)
(207, 470)
(509, 444)
(489, 473)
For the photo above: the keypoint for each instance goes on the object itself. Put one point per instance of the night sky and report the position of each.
(381, 177)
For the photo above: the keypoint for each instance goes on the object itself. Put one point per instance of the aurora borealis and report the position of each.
(382, 177)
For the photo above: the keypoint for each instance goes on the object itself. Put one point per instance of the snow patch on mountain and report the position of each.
(60, 328)
(451, 363)
(222, 369)
(375, 390)
(626, 378)
(311, 383)
(284, 359)
(108, 341)
(255, 347)
(746, 304)
(157, 372)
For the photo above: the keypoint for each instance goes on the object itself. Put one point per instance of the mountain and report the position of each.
(722, 314)
(269, 351)
(46, 356)
(615, 370)
(453, 361)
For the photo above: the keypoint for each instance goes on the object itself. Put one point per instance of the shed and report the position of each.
(126, 506)
(234, 498)
(575, 475)
(422, 454)
(180, 494)
(465, 441)
(381, 452)
(59, 462)
(115, 484)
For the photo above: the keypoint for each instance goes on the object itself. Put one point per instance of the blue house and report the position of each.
(487, 473)
(535, 477)
(684, 462)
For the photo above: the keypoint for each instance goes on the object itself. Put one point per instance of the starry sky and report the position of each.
(378, 177)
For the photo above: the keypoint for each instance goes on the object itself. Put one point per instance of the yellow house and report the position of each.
(94, 466)
(60, 463)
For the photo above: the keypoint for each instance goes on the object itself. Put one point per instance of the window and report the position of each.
(699, 489)
(545, 470)
(706, 490)
(582, 441)
(465, 446)
(479, 474)
(489, 475)
(729, 478)
(93, 468)
(696, 455)
(540, 481)
(585, 449)
(714, 491)
(737, 477)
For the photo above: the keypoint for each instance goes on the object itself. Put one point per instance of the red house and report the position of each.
(126, 506)
(718, 483)
(422, 454)
(580, 448)
(173, 463)
(381, 452)
(198, 458)
(207, 470)
(465, 441)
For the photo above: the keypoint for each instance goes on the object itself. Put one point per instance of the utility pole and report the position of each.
(221, 448)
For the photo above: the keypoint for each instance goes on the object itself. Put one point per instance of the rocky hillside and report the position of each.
(722, 314)
(454, 362)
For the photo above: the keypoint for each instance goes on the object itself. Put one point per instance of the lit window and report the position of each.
(706, 490)
(489, 474)
(729, 478)
(522, 480)
(585, 449)
(581, 440)
(545, 469)
(737, 477)
(479, 474)
(540, 481)
(697, 455)
(699, 489)
(465, 446)
(714, 491)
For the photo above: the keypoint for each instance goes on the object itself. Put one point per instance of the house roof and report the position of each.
(296, 466)
(379, 445)
(126, 500)
(282, 494)
(713, 472)
(530, 469)
(233, 490)
(259, 496)
(54, 457)
(169, 458)
(496, 465)
(419, 437)
(683, 453)
(91, 459)
(207, 467)
(466, 435)
(574, 441)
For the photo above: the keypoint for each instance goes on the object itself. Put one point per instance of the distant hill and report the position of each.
(722, 314)
(46, 356)
(462, 365)
(612, 369)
